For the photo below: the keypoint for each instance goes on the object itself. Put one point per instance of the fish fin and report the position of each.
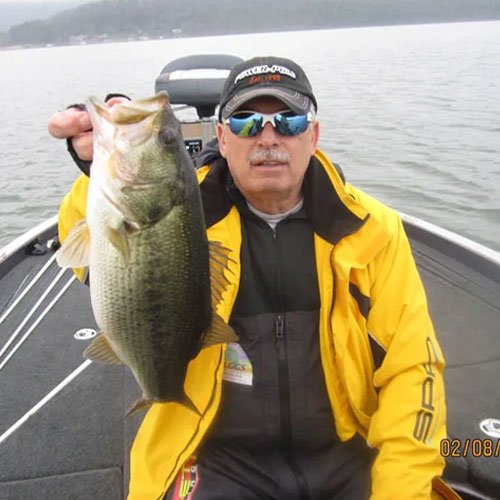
(100, 350)
(140, 404)
(119, 240)
(144, 404)
(219, 258)
(219, 332)
(75, 251)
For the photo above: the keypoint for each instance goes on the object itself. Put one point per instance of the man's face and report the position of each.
(269, 166)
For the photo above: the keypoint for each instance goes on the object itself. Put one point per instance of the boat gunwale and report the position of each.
(14, 252)
(479, 257)
(472, 254)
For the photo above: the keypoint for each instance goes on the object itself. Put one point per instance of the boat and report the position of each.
(63, 433)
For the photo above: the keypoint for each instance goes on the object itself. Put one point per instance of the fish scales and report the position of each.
(146, 307)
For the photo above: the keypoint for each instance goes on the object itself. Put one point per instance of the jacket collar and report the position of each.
(327, 203)
(333, 213)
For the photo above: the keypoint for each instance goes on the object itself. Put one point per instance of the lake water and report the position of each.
(412, 113)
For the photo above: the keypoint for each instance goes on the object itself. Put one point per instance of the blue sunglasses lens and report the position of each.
(246, 124)
(291, 124)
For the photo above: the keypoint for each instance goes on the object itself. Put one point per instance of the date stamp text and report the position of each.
(468, 447)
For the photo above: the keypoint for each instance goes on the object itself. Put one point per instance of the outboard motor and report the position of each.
(197, 81)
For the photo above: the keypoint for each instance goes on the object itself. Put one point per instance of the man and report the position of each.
(341, 394)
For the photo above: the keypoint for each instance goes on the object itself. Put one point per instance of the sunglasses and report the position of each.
(251, 123)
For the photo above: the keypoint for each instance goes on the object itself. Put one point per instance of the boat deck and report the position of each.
(464, 301)
(77, 446)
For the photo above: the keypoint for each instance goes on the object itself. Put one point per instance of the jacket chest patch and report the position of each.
(237, 367)
(187, 480)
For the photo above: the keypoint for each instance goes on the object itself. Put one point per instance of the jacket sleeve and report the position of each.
(410, 419)
(73, 209)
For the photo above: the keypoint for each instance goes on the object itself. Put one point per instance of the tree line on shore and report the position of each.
(111, 19)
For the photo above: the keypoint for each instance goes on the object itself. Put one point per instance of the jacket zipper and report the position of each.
(284, 392)
(280, 338)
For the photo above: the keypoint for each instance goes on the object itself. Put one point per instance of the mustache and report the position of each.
(266, 155)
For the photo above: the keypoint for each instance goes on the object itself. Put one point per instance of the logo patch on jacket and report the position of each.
(187, 480)
(237, 366)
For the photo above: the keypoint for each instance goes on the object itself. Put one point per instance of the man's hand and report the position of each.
(75, 124)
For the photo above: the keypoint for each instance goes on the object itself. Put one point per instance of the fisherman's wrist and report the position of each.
(84, 165)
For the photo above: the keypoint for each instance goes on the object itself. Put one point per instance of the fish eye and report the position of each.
(168, 136)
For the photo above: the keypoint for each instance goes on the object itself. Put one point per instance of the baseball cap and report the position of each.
(267, 76)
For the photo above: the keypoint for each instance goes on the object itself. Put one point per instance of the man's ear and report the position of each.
(221, 137)
(315, 135)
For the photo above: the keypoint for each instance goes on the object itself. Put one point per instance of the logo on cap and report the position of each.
(265, 69)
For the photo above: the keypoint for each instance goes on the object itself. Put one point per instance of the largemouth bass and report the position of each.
(154, 283)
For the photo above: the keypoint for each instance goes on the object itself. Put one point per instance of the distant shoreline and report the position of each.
(143, 38)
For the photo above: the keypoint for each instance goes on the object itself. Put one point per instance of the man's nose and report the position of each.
(268, 135)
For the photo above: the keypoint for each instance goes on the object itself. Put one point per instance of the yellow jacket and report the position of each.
(399, 408)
